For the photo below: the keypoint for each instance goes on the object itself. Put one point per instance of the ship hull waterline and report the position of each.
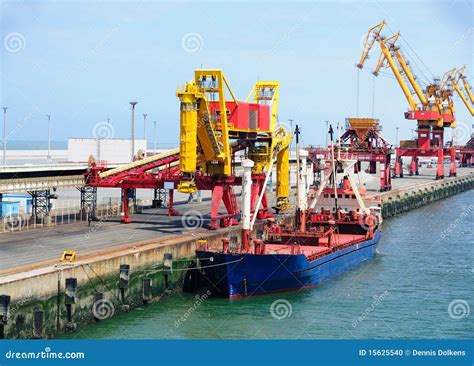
(235, 276)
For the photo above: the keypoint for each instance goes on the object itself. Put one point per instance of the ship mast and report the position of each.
(333, 162)
(298, 178)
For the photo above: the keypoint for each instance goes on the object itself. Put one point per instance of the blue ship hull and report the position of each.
(242, 275)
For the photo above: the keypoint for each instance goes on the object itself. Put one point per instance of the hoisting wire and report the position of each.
(414, 52)
(357, 95)
(373, 96)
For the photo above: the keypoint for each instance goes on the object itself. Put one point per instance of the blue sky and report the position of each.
(82, 61)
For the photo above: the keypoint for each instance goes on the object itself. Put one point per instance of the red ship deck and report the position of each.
(310, 250)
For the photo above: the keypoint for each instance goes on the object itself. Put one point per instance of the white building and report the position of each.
(114, 151)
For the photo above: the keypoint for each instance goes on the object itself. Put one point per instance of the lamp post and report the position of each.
(396, 141)
(154, 137)
(49, 136)
(144, 126)
(5, 136)
(133, 104)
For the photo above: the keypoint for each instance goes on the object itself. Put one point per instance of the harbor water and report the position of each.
(419, 285)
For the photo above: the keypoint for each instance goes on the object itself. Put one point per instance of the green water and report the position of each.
(419, 285)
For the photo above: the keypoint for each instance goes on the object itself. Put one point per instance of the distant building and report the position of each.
(114, 151)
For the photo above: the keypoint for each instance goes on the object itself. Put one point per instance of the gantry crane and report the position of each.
(434, 112)
(213, 128)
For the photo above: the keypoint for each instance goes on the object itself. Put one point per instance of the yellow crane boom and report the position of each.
(454, 76)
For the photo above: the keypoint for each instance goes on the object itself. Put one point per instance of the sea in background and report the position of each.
(62, 145)
(419, 285)
(35, 145)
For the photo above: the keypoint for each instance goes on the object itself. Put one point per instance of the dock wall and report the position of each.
(405, 199)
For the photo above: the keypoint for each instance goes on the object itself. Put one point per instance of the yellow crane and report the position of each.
(451, 81)
(276, 143)
(391, 56)
(209, 121)
(434, 112)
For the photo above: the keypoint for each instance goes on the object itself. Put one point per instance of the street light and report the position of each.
(133, 104)
(154, 137)
(144, 126)
(396, 141)
(49, 136)
(5, 136)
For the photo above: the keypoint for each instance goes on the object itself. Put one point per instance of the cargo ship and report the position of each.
(321, 243)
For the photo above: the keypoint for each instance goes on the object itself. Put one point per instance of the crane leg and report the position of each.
(230, 203)
(216, 199)
(440, 168)
(125, 219)
(413, 165)
(171, 210)
(452, 168)
(283, 180)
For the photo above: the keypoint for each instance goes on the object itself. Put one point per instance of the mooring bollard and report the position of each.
(147, 286)
(124, 280)
(167, 266)
(70, 300)
(4, 310)
(38, 316)
(98, 297)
